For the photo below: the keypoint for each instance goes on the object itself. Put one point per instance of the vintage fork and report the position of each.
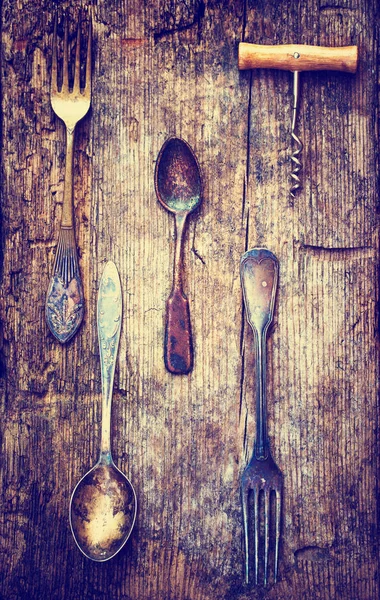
(261, 478)
(65, 301)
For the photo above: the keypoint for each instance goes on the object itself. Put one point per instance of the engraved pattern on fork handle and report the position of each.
(65, 299)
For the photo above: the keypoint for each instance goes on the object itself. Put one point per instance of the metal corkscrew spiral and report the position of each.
(296, 163)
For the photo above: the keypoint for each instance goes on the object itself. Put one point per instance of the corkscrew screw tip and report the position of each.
(297, 166)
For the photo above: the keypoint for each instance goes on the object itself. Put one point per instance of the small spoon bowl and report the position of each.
(178, 180)
(102, 511)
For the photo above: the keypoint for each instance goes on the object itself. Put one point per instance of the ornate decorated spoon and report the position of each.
(103, 504)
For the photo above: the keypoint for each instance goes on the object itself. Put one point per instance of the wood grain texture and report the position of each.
(163, 68)
(297, 57)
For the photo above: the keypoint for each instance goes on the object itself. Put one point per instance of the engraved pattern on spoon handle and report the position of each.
(109, 316)
(259, 275)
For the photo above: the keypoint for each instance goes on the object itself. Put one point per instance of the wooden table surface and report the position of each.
(169, 68)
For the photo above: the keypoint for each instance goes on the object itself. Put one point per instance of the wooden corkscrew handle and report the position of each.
(297, 57)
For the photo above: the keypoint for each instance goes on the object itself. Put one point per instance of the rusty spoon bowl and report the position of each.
(103, 504)
(179, 190)
(102, 511)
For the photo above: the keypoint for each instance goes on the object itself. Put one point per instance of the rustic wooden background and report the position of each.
(162, 68)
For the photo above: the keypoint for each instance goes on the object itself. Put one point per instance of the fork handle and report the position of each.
(259, 275)
(65, 299)
(67, 207)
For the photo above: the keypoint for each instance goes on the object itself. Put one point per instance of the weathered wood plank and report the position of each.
(327, 245)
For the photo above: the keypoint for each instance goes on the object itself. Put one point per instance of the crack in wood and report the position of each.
(363, 251)
(196, 21)
(242, 373)
(194, 250)
(336, 7)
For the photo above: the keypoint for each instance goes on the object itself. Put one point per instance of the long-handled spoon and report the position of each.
(178, 188)
(103, 504)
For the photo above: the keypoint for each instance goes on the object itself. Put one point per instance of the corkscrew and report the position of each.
(297, 58)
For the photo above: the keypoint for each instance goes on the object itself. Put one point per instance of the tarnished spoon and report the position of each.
(178, 188)
(103, 504)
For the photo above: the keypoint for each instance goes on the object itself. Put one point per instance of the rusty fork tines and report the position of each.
(65, 301)
(262, 480)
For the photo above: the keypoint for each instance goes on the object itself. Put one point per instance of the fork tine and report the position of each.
(244, 499)
(54, 74)
(256, 515)
(87, 87)
(278, 521)
(76, 86)
(266, 532)
(65, 79)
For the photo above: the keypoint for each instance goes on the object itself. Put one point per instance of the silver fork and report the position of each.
(261, 478)
(65, 301)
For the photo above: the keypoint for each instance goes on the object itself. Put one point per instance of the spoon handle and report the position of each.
(178, 339)
(178, 349)
(109, 317)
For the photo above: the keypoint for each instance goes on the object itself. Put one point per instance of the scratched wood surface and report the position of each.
(163, 68)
